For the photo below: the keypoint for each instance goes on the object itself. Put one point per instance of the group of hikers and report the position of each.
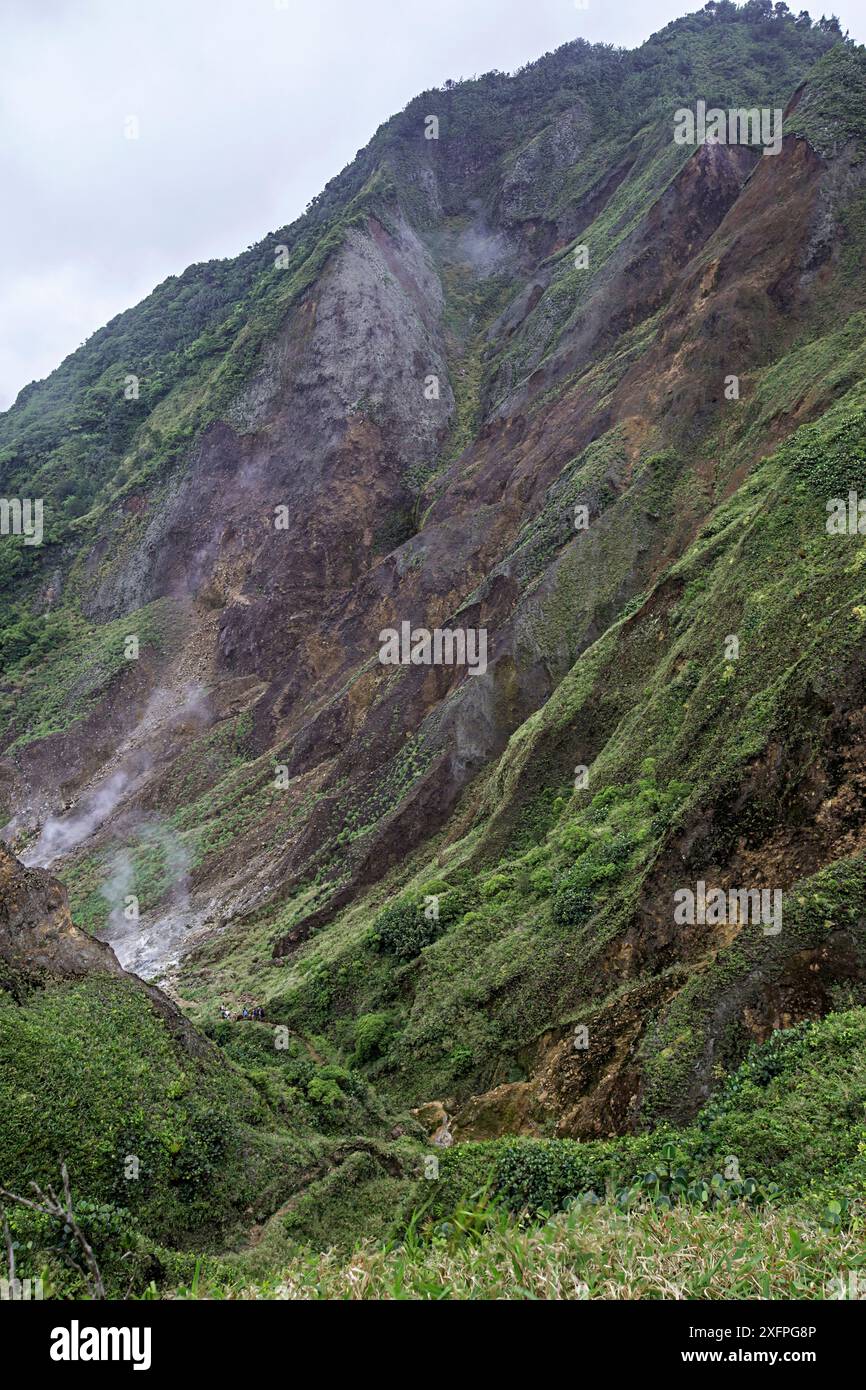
(256, 1013)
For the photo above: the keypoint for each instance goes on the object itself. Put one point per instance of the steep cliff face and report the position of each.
(485, 384)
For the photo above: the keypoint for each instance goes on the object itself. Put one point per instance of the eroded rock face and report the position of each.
(40, 944)
(327, 428)
(37, 934)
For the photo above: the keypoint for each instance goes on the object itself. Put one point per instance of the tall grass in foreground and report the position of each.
(590, 1253)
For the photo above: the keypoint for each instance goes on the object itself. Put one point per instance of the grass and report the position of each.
(584, 1254)
(37, 700)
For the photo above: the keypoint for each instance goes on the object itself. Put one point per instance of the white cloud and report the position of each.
(246, 110)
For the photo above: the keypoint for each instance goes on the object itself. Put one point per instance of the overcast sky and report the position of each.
(245, 109)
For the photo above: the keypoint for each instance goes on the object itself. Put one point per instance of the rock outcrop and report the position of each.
(40, 944)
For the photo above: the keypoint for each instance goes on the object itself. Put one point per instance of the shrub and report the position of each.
(403, 930)
(324, 1091)
(405, 927)
(599, 864)
(371, 1031)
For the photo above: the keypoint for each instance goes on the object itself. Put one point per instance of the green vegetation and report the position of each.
(404, 928)
(60, 666)
(830, 456)
(72, 1059)
(585, 1253)
(833, 109)
(789, 1122)
(170, 1150)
